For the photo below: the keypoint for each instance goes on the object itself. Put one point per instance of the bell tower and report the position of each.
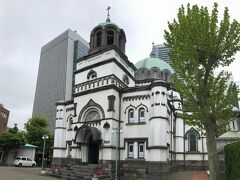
(107, 34)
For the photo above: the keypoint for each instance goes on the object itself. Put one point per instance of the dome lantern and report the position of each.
(107, 34)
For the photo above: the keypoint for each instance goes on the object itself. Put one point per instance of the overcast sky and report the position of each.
(27, 25)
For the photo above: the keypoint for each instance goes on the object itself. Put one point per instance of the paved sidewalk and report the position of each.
(189, 175)
(22, 173)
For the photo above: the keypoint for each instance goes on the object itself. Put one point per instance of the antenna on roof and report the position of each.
(108, 9)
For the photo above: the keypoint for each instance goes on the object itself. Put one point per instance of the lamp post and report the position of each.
(44, 137)
(117, 131)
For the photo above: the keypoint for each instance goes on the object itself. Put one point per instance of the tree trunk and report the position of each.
(213, 160)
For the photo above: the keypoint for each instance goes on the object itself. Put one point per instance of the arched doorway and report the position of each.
(93, 151)
(90, 140)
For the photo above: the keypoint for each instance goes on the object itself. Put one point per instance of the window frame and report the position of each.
(130, 154)
(141, 155)
(70, 121)
(98, 38)
(131, 119)
(140, 118)
(190, 142)
(110, 37)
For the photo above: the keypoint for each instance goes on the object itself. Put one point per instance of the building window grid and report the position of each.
(140, 150)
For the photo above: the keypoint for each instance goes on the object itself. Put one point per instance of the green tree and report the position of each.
(36, 127)
(14, 130)
(11, 140)
(200, 44)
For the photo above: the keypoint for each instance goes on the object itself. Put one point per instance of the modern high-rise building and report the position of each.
(161, 51)
(55, 73)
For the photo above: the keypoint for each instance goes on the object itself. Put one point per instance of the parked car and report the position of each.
(24, 161)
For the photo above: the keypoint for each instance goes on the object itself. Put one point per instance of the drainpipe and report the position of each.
(119, 126)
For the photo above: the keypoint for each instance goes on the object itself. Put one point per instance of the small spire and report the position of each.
(108, 9)
(152, 54)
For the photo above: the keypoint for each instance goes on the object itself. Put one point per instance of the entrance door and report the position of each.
(93, 153)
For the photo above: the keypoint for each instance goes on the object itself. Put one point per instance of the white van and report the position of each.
(24, 161)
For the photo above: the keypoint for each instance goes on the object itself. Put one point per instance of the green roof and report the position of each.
(30, 145)
(231, 134)
(106, 23)
(154, 62)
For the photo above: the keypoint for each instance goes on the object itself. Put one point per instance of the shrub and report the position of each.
(232, 161)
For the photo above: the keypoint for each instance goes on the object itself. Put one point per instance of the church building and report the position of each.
(123, 115)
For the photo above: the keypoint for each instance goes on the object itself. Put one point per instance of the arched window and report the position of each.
(99, 38)
(106, 133)
(91, 75)
(125, 79)
(106, 125)
(131, 116)
(154, 72)
(141, 115)
(92, 115)
(61, 114)
(70, 121)
(110, 37)
(121, 42)
(57, 114)
(166, 76)
(192, 142)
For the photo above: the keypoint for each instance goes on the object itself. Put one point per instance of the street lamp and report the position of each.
(44, 137)
(117, 131)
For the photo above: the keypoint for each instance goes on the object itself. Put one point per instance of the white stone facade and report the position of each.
(147, 136)
(112, 109)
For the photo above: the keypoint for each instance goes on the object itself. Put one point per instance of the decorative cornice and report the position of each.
(103, 88)
(136, 97)
(99, 82)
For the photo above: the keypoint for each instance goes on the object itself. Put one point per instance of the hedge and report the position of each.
(232, 161)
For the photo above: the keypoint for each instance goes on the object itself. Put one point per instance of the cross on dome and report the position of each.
(108, 9)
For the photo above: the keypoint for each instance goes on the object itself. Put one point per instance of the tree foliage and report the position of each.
(11, 140)
(199, 44)
(36, 127)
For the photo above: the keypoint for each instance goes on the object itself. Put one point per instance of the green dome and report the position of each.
(154, 62)
(103, 24)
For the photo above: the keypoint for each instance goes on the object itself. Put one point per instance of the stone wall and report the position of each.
(65, 162)
(190, 165)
